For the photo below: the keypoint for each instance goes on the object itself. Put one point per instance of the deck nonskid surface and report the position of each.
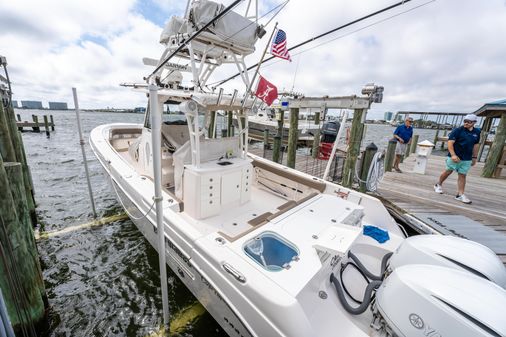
(234, 221)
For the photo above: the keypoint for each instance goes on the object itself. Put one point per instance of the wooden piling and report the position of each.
(52, 122)
(266, 141)
(20, 156)
(46, 126)
(35, 119)
(408, 149)
(212, 125)
(230, 126)
(443, 143)
(316, 137)
(357, 128)
(280, 115)
(496, 150)
(369, 153)
(389, 158)
(292, 137)
(414, 142)
(6, 146)
(18, 117)
(19, 275)
(436, 136)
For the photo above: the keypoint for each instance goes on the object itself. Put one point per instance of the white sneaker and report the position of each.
(438, 188)
(463, 198)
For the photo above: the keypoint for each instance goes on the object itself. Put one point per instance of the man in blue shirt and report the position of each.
(403, 135)
(463, 144)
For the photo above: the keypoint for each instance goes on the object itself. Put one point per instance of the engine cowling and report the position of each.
(451, 252)
(425, 300)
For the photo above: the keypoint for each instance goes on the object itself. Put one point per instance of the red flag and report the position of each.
(266, 91)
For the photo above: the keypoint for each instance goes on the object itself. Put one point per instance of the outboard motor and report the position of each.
(329, 131)
(428, 300)
(451, 252)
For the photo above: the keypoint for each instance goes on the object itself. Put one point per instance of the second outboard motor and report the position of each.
(329, 131)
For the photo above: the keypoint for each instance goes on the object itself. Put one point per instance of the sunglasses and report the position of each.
(468, 121)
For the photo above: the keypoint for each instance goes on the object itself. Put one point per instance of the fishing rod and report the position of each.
(197, 33)
(321, 35)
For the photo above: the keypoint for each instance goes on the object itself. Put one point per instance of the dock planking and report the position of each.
(413, 193)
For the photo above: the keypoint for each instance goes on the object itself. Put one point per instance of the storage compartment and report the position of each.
(271, 251)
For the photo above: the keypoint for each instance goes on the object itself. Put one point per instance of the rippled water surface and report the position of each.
(103, 281)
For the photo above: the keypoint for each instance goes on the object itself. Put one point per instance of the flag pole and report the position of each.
(258, 67)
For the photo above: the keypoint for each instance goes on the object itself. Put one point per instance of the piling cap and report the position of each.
(471, 117)
(425, 143)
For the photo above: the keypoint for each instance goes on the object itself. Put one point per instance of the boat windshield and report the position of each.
(170, 115)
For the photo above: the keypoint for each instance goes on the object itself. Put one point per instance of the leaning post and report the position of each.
(266, 141)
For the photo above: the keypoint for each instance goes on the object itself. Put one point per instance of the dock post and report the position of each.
(6, 145)
(212, 125)
(266, 141)
(357, 128)
(406, 153)
(224, 133)
(436, 136)
(485, 130)
(389, 158)
(280, 116)
(35, 119)
(316, 136)
(414, 142)
(46, 126)
(52, 122)
(276, 149)
(19, 277)
(292, 137)
(19, 152)
(230, 126)
(442, 142)
(18, 117)
(496, 149)
(369, 153)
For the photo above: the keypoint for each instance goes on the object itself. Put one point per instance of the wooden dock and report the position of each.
(46, 122)
(412, 195)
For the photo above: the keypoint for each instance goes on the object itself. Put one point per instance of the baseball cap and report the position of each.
(471, 117)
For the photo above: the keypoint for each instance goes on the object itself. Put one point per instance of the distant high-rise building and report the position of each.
(31, 104)
(388, 116)
(58, 106)
(14, 104)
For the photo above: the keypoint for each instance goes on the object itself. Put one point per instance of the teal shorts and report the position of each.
(461, 167)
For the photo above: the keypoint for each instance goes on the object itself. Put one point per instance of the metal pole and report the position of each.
(334, 148)
(156, 121)
(259, 64)
(81, 142)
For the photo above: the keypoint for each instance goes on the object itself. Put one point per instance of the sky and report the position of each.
(442, 55)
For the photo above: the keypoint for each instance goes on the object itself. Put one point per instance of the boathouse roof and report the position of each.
(492, 109)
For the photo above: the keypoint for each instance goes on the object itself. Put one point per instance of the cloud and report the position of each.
(444, 55)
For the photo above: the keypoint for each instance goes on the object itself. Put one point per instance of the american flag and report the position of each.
(278, 47)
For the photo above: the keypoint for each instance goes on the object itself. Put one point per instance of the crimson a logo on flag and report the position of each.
(266, 91)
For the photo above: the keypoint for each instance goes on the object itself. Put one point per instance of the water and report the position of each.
(104, 281)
